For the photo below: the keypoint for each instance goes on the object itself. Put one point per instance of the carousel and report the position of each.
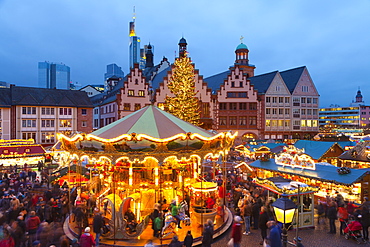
(151, 159)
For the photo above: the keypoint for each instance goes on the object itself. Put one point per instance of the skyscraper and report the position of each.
(134, 44)
(52, 75)
(113, 70)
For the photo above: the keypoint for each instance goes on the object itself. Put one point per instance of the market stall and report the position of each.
(300, 193)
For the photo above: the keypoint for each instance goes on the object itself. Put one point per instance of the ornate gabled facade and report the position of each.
(134, 94)
(204, 94)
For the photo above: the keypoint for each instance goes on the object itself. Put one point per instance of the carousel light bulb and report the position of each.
(156, 179)
(195, 170)
(130, 176)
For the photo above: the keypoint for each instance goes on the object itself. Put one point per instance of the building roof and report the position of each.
(151, 121)
(16, 151)
(241, 46)
(158, 78)
(323, 172)
(262, 82)
(108, 97)
(361, 152)
(5, 97)
(315, 149)
(32, 96)
(214, 82)
(291, 77)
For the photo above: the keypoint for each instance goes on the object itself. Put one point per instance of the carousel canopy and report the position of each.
(151, 121)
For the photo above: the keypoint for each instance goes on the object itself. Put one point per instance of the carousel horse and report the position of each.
(170, 222)
(116, 226)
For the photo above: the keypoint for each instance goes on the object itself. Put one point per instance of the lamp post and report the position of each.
(284, 209)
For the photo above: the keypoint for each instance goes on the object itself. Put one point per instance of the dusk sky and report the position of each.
(331, 38)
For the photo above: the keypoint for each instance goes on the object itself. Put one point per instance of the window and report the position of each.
(274, 99)
(274, 111)
(83, 111)
(281, 99)
(268, 123)
(131, 93)
(29, 135)
(286, 123)
(141, 93)
(65, 123)
(314, 100)
(240, 84)
(136, 82)
(252, 106)
(296, 101)
(309, 100)
(65, 111)
(232, 106)
(268, 111)
(47, 123)
(304, 88)
(303, 111)
(314, 123)
(232, 84)
(296, 113)
(28, 123)
(242, 106)
(96, 123)
(237, 94)
(309, 111)
(29, 110)
(280, 123)
(96, 111)
(309, 123)
(277, 88)
(268, 99)
(252, 120)
(242, 120)
(303, 123)
(287, 112)
(281, 111)
(236, 76)
(303, 100)
(137, 107)
(287, 100)
(84, 123)
(222, 106)
(47, 137)
(232, 120)
(222, 120)
(126, 106)
(314, 111)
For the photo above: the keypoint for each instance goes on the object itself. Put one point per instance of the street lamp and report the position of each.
(284, 209)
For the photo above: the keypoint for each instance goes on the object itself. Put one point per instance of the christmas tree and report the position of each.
(184, 104)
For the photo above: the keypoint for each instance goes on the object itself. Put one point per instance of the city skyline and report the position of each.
(329, 39)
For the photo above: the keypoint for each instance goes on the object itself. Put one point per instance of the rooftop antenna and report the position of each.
(241, 39)
(134, 15)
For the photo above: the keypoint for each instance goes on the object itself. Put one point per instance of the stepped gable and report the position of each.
(151, 121)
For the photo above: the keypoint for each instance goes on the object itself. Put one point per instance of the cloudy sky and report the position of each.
(331, 38)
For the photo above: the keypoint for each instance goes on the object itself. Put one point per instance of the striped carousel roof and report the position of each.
(151, 121)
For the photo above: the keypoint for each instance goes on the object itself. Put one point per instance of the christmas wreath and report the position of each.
(343, 170)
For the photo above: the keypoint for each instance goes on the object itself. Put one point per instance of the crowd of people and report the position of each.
(31, 210)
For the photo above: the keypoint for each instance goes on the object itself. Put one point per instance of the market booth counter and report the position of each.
(354, 185)
(300, 193)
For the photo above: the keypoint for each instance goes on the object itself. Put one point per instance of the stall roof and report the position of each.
(315, 149)
(281, 185)
(323, 172)
(21, 151)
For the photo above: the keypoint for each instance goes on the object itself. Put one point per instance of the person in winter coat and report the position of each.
(275, 234)
(343, 218)
(262, 222)
(256, 209)
(365, 222)
(207, 234)
(247, 214)
(236, 232)
(32, 224)
(188, 240)
(175, 242)
(332, 216)
(98, 223)
(158, 224)
(86, 239)
(154, 215)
